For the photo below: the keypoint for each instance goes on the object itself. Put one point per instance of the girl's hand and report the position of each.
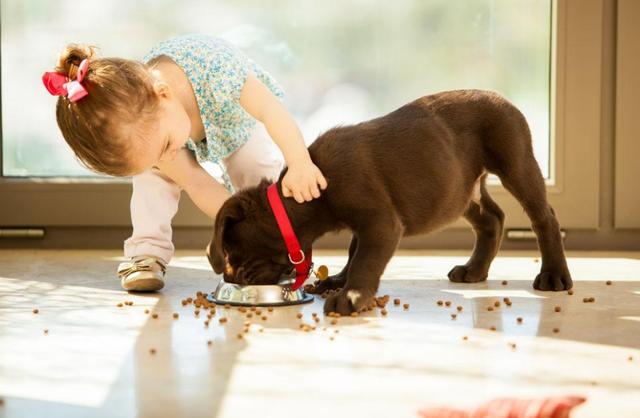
(302, 181)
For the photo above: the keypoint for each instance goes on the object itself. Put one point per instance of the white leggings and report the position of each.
(154, 201)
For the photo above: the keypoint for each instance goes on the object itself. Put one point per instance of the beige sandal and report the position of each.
(142, 273)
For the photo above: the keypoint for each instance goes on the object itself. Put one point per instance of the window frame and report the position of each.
(576, 101)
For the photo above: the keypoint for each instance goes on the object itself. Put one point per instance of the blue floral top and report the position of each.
(217, 71)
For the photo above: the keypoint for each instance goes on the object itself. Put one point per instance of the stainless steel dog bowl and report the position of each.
(258, 295)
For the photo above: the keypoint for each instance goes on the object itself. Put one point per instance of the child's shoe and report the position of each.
(143, 273)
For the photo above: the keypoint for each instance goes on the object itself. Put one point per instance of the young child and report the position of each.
(195, 98)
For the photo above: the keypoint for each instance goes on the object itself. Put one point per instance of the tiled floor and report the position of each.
(96, 361)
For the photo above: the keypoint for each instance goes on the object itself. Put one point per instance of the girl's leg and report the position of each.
(154, 202)
(257, 159)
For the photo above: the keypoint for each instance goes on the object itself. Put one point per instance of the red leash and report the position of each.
(300, 259)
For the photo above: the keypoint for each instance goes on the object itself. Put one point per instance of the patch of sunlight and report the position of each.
(631, 318)
(80, 357)
(493, 293)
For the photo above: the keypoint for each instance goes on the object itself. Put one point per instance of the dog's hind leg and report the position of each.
(526, 184)
(338, 280)
(487, 220)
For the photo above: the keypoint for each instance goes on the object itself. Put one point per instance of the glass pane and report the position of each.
(338, 64)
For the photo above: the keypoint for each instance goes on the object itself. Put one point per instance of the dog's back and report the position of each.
(421, 160)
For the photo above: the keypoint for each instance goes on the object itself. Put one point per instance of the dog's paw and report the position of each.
(553, 280)
(331, 283)
(463, 274)
(348, 300)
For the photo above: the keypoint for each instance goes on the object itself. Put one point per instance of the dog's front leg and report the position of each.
(337, 280)
(374, 250)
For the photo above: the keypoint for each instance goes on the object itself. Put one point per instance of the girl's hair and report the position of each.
(120, 92)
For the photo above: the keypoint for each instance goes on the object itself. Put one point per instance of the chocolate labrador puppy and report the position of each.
(410, 172)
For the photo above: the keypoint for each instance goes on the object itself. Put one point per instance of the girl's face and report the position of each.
(160, 140)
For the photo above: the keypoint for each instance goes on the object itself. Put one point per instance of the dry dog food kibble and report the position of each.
(119, 305)
(440, 303)
(206, 323)
(175, 315)
(152, 350)
(209, 342)
(154, 316)
(46, 331)
(396, 301)
(519, 319)
(264, 317)
(197, 312)
(240, 336)
(492, 328)
(557, 308)
(270, 309)
(556, 330)
(405, 306)
(453, 316)
(608, 282)
(570, 291)
(299, 315)
(383, 312)
(146, 311)
(465, 338)
(35, 311)
(459, 308)
(496, 304)
(504, 282)
(222, 320)
(447, 303)
(489, 308)
(333, 322)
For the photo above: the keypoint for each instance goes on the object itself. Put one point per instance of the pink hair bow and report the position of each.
(58, 84)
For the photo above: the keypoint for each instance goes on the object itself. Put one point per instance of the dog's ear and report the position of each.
(231, 212)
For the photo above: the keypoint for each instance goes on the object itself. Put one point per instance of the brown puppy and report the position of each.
(409, 172)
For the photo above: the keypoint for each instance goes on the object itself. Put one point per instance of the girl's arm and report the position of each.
(202, 188)
(303, 177)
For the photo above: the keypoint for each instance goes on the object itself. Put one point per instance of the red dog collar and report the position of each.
(300, 259)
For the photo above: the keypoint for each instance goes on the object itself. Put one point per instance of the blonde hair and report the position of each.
(120, 92)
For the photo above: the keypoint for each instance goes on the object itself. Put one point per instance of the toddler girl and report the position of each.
(195, 98)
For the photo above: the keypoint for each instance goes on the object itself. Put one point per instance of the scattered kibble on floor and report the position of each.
(504, 282)
(405, 306)
(608, 282)
(176, 315)
(152, 350)
(154, 316)
(35, 311)
(519, 319)
(557, 309)
(556, 330)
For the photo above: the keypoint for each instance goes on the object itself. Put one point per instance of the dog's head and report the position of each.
(247, 247)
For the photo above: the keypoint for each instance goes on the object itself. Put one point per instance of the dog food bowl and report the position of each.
(259, 295)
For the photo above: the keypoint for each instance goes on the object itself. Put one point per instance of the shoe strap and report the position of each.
(141, 264)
